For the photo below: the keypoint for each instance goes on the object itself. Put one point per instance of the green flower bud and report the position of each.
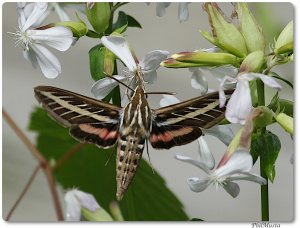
(116, 211)
(249, 28)
(253, 62)
(99, 215)
(264, 117)
(172, 63)
(210, 38)
(227, 35)
(285, 41)
(78, 29)
(286, 122)
(109, 62)
(206, 58)
(98, 15)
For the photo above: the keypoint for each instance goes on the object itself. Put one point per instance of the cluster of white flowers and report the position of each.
(33, 37)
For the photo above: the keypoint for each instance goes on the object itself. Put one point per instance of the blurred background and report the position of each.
(165, 33)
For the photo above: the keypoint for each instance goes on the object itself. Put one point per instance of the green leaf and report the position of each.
(147, 198)
(122, 22)
(125, 21)
(132, 22)
(267, 147)
(282, 105)
(197, 219)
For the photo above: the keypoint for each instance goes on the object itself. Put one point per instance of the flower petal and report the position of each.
(222, 132)
(76, 199)
(249, 177)
(232, 188)
(198, 81)
(183, 11)
(118, 45)
(57, 37)
(87, 200)
(31, 57)
(151, 61)
(161, 8)
(222, 71)
(48, 63)
(168, 100)
(222, 96)
(104, 86)
(240, 161)
(150, 77)
(240, 105)
(36, 17)
(269, 81)
(205, 155)
(73, 208)
(189, 160)
(198, 185)
(61, 12)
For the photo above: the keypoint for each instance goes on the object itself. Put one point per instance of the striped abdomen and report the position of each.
(134, 129)
(130, 150)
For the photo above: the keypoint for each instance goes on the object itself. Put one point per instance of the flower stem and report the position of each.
(264, 189)
(43, 163)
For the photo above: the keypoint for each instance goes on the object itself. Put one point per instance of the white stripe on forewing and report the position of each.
(191, 115)
(74, 108)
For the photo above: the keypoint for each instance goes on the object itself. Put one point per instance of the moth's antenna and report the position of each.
(111, 154)
(166, 93)
(149, 156)
(120, 82)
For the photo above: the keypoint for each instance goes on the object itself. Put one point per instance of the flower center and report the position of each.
(22, 37)
(217, 180)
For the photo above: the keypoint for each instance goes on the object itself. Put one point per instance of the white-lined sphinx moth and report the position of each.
(103, 124)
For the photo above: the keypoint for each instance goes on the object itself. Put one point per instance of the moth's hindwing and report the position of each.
(90, 120)
(180, 123)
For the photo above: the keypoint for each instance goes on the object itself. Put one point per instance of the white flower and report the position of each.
(198, 80)
(240, 104)
(75, 200)
(147, 65)
(220, 72)
(32, 39)
(236, 168)
(183, 11)
(59, 9)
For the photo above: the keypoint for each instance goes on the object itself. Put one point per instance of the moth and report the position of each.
(93, 121)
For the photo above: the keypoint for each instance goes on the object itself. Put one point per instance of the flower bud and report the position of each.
(109, 62)
(263, 117)
(172, 63)
(227, 35)
(206, 58)
(285, 41)
(286, 122)
(99, 215)
(78, 29)
(116, 211)
(249, 28)
(98, 15)
(253, 62)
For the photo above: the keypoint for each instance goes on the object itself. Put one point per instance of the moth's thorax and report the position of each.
(134, 128)
(136, 116)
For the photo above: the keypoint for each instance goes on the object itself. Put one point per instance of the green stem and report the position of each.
(264, 190)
